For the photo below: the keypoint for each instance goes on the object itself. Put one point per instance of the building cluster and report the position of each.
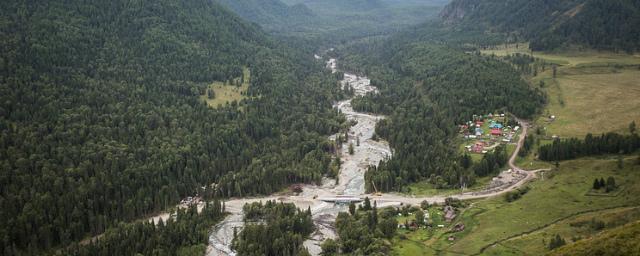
(486, 132)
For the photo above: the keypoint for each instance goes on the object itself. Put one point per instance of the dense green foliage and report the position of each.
(426, 90)
(365, 232)
(516, 194)
(527, 146)
(609, 143)
(100, 120)
(491, 162)
(612, 25)
(608, 186)
(186, 233)
(273, 229)
(556, 242)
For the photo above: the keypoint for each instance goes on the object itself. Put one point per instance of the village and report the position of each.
(484, 133)
(430, 219)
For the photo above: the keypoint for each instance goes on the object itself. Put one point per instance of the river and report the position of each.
(350, 180)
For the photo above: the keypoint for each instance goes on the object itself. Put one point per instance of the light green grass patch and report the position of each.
(228, 93)
(560, 194)
(593, 103)
(593, 92)
(577, 227)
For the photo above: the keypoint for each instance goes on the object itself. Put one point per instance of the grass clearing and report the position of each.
(568, 58)
(594, 91)
(228, 93)
(559, 195)
(593, 103)
(420, 241)
(571, 229)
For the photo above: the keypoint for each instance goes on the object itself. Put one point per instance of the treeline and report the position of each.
(363, 231)
(273, 229)
(609, 143)
(426, 90)
(186, 232)
(527, 146)
(100, 120)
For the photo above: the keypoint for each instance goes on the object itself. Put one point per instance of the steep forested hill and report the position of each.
(100, 120)
(611, 25)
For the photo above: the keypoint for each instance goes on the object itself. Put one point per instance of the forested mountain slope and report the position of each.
(100, 120)
(610, 25)
(325, 23)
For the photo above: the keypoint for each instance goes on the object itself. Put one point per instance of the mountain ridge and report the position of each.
(608, 25)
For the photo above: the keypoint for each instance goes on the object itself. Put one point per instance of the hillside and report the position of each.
(101, 119)
(610, 25)
(619, 241)
(320, 23)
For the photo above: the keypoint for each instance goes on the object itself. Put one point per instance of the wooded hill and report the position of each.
(101, 121)
(610, 25)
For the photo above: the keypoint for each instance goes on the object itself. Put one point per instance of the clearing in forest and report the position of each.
(593, 92)
(594, 101)
(225, 93)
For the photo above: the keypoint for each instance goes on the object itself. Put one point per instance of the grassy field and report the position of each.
(575, 228)
(619, 241)
(593, 92)
(417, 242)
(560, 195)
(576, 58)
(592, 100)
(226, 94)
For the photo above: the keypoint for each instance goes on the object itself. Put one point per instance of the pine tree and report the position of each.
(367, 204)
(611, 184)
(352, 208)
(420, 218)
